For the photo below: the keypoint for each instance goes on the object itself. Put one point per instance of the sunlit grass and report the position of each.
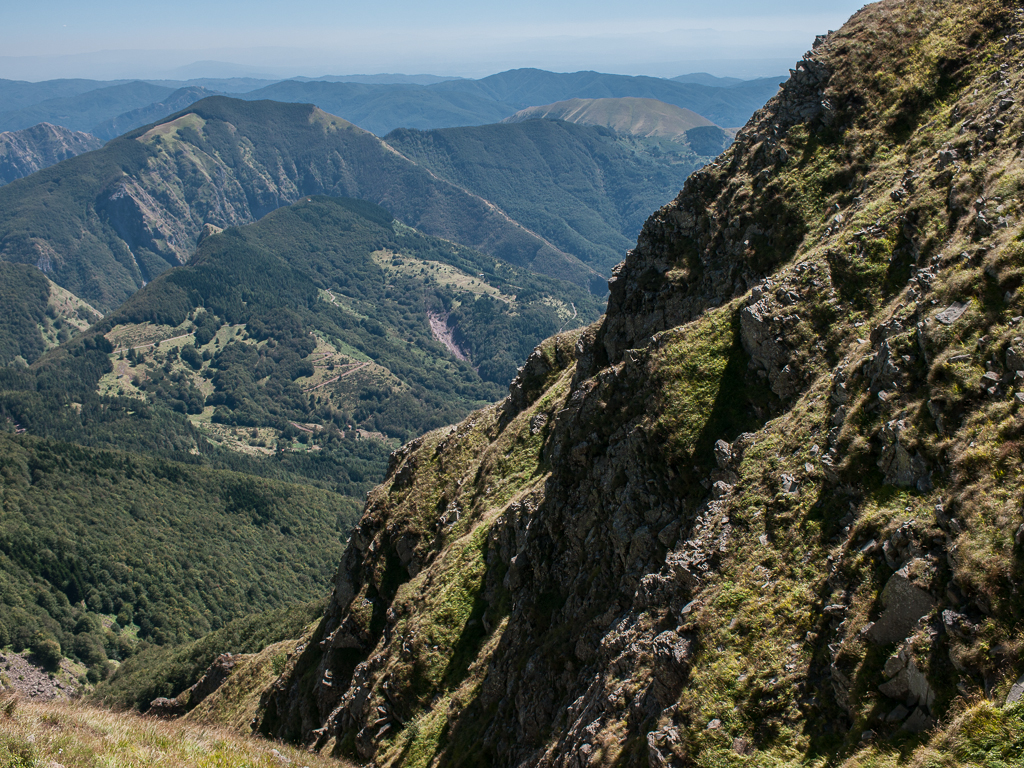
(73, 734)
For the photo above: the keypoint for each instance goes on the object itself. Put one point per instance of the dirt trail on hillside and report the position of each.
(336, 378)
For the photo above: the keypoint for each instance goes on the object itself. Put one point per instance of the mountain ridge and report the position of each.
(767, 510)
(129, 212)
(586, 189)
(635, 116)
(31, 149)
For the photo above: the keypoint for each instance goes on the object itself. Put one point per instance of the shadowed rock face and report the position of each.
(32, 149)
(192, 697)
(663, 546)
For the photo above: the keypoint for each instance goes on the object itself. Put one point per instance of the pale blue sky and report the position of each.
(118, 38)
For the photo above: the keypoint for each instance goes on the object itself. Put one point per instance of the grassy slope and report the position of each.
(637, 117)
(80, 736)
(167, 671)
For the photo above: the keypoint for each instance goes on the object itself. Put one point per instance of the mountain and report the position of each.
(381, 108)
(236, 406)
(703, 78)
(637, 117)
(30, 149)
(585, 189)
(453, 103)
(381, 79)
(379, 103)
(82, 111)
(767, 510)
(105, 223)
(521, 88)
(19, 94)
(647, 118)
(330, 315)
(228, 85)
(136, 118)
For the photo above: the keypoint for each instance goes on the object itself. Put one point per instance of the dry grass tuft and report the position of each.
(74, 735)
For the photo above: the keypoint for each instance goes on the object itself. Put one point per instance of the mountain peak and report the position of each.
(631, 115)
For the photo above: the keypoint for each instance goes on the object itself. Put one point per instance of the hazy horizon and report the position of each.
(266, 38)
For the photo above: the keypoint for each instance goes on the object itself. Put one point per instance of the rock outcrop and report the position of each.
(31, 149)
(193, 696)
(696, 530)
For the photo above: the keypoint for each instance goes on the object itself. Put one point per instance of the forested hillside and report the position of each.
(102, 548)
(78, 111)
(35, 314)
(332, 315)
(586, 189)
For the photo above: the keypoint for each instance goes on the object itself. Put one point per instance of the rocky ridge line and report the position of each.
(699, 528)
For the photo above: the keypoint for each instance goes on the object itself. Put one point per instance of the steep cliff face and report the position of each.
(26, 151)
(768, 509)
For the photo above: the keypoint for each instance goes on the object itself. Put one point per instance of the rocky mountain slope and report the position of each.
(28, 150)
(768, 510)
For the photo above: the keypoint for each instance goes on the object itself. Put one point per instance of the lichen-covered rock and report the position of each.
(905, 605)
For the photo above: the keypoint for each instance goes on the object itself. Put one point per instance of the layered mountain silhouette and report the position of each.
(104, 224)
(377, 103)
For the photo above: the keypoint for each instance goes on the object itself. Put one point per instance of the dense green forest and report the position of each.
(98, 547)
(156, 670)
(24, 294)
(342, 279)
(585, 188)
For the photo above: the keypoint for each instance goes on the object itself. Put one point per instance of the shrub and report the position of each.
(47, 652)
